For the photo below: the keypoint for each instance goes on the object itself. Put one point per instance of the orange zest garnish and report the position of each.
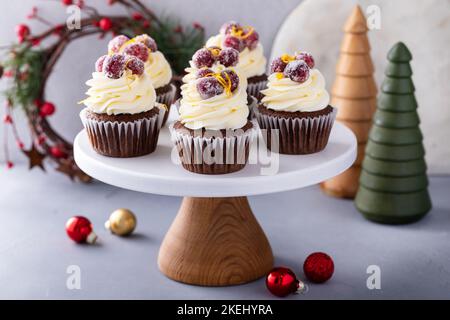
(224, 82)
(279, 75)
(243, 32)
(287, 58)
(214, 51)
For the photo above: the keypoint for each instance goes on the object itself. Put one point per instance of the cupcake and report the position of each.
(122, 117)
(252, 63)
(213, 134)
(156, 66)
(296, 105)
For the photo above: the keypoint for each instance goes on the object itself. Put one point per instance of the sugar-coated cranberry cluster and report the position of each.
(206, 57)
(124, 53)
(295, 67)
(210, 84)
(238, 37)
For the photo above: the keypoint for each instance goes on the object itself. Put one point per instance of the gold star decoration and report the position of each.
(35, 158)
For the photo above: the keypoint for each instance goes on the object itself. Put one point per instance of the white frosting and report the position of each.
(287, 95)
(251, 62)
(218, 112)
(128, 94)
(158, 69)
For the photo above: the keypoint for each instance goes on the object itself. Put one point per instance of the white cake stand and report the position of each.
(215, 239)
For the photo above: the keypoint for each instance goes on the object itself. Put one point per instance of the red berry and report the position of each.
(114, 65)
(135, 65)
(22, 32)
(209, 87)
(251, 41)
(203, 73)
(137, 49)
(20, 144)
(116, 43)
(228, 26)
(148, 41)
(297, 71)
(137, 16)
(67, 2)
(7, 119)
(203, 58)
(47, 109)
(57, 152)
(308, 58)
(99, 63)
(229, 57)
(9, 164)
(277, 65)
(41, 139)
(232, 42)
(105, 24)
(230, 75)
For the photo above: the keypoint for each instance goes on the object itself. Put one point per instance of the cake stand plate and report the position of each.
(215, 239)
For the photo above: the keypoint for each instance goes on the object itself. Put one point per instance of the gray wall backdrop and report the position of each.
(66, 85)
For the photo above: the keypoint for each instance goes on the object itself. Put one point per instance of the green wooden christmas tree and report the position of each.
(393, 184)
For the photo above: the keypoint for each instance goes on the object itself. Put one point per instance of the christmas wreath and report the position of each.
(28, 65)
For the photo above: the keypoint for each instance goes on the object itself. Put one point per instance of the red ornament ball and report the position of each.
(105, 24)
(318, 267)
(57, 152)
(67, 2)
(282, 281)
(47, 109)
(80, 230)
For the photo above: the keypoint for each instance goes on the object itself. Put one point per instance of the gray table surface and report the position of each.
(35, 251)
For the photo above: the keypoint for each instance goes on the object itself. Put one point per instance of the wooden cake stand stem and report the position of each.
(215, 242)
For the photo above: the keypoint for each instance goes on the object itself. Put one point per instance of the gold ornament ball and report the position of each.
(121, 222)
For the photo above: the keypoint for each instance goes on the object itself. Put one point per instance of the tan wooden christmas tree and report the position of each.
(354, 94)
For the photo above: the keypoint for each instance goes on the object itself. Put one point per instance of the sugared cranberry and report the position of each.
(307, 57)
(138, 50)
(229, 57)
(116, 43)
(277, 65)
(297, 71)
(99, 63)
(228, 26)
(203, 58)
(233, 42)
(209, 87)
(135, 65)
(148, 41)
(114, 65)
(203, 73)
(233, 78)
(251, 41)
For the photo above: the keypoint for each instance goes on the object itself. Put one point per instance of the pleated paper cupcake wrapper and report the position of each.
(254, 89)
(297, 135)
(218, 155)
(124, 139)
(167, 98)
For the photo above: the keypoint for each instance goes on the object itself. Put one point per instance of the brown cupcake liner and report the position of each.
(124, 139)
(212, 155)
(167, 98)
(303, 135)
(254, 88)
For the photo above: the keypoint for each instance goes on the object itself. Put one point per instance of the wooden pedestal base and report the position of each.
(215, 242)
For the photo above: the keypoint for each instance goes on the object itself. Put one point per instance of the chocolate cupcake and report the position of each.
(122, 117)
(294, 113)
(213, 135)
(156, 66)
(252, 63)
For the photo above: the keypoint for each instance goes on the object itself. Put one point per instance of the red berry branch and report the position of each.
(28, 66)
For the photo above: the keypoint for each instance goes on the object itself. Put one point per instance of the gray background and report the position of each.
(35, 252)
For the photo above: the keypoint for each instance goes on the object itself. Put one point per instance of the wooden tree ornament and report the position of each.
(354, 94)
(393, 182)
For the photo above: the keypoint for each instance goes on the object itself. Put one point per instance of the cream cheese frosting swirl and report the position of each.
(251, 62)
(129, 94)
(287, 95)
(216, 113)
(158, 69)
